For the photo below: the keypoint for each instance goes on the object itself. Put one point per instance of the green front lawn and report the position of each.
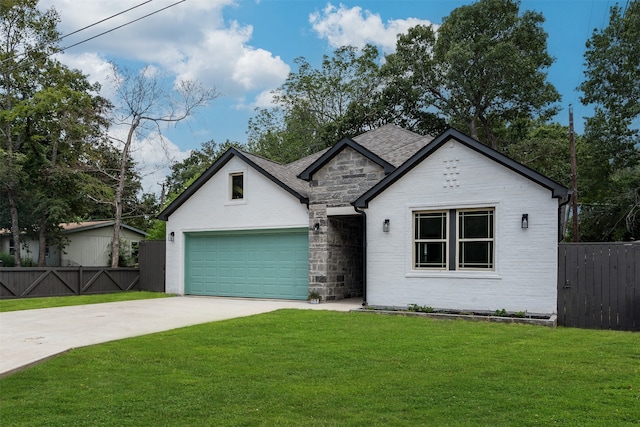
(46, 302)
(300, 368)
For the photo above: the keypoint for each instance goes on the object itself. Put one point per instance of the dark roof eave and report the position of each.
(557, 190)
(341, 145)
(212, 170)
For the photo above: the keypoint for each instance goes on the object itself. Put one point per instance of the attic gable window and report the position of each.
(237, 186)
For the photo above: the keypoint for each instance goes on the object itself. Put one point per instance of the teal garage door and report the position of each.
(265, 264)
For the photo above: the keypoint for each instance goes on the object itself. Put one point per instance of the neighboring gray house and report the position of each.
(87, 244)
(390, 215)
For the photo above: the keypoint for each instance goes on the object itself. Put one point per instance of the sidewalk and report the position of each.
(31, 336)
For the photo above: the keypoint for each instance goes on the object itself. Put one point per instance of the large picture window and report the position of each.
(454, 239)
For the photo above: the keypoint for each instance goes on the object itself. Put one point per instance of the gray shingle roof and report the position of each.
(283, 173)
(392, 143)
(399, 149)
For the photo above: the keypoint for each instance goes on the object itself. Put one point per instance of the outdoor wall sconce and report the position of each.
(172, 236)
(385, 226)
(316, 227)
(525, 221)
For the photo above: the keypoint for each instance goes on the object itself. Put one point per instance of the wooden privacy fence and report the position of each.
(599, 285)
(62, 281)
(152, 261)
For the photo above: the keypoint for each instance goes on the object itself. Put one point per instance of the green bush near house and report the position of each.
(8, 261)
(316, 368)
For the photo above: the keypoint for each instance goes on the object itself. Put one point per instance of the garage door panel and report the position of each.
(252, 264)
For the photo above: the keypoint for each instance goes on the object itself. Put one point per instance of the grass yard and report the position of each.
(46, 302)
(312, 368)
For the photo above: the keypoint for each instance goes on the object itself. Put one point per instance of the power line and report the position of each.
(101, 34)
(123, 25)
(81, 29)
(103, 20)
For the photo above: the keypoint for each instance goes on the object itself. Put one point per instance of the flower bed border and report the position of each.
(551, 321)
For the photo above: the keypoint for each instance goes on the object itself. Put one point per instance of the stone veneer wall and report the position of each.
(335, 249)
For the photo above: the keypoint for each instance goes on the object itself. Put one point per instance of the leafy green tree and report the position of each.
(609, 161)
(48, 113)
(544, 147)
(484, 68)
(27, 39)
(66, 116)
(314, 108)
(182, 173)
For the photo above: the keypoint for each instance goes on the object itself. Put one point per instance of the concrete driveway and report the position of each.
(31, 336)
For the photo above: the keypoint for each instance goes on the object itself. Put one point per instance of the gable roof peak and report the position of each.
(345, 142)
(557, 190)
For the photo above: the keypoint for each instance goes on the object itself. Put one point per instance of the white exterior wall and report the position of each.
(93, 246)
(265, 206)
(525, 274)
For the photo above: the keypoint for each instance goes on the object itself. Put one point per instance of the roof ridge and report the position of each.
(260, 157)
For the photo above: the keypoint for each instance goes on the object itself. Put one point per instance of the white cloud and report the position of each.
(224, 58)
(191, 40)
(188, 41)
(153, 154)
(264, 100)
(354, 26)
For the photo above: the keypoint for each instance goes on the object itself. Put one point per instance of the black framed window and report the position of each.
(430, 240)
(454, 239)
(476, 239)
(237, 186)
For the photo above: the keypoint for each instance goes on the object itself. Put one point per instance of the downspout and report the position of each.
(364, 255)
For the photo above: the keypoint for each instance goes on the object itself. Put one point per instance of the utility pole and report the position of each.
(574, 178)
(162, 194)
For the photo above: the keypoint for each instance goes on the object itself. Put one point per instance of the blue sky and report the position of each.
(246, 48)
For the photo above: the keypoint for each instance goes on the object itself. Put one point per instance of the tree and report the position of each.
(48, 114)
(314, 108)
(542, 146)
(28, 39)
(144, 105)
(100, 180)
(484, 68)
(610, 158)
(182, 173)
(66, 115)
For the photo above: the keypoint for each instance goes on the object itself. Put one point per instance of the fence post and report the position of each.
(80, 280)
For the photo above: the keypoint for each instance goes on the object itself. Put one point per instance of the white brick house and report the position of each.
(390, 215)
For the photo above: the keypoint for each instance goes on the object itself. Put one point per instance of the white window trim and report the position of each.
(411, 272)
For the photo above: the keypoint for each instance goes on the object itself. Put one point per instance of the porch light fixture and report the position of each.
(385, 225)
(316, 227)
(525, 221)
(172, 236)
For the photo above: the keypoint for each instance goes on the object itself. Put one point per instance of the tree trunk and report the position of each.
(15, 229)
(472, 128)
(42, 244)
(493, 142)
(122, 178)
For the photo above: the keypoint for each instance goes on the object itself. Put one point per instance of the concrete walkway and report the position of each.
(31, 336)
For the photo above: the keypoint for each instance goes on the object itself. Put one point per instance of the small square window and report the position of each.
(237, 186)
